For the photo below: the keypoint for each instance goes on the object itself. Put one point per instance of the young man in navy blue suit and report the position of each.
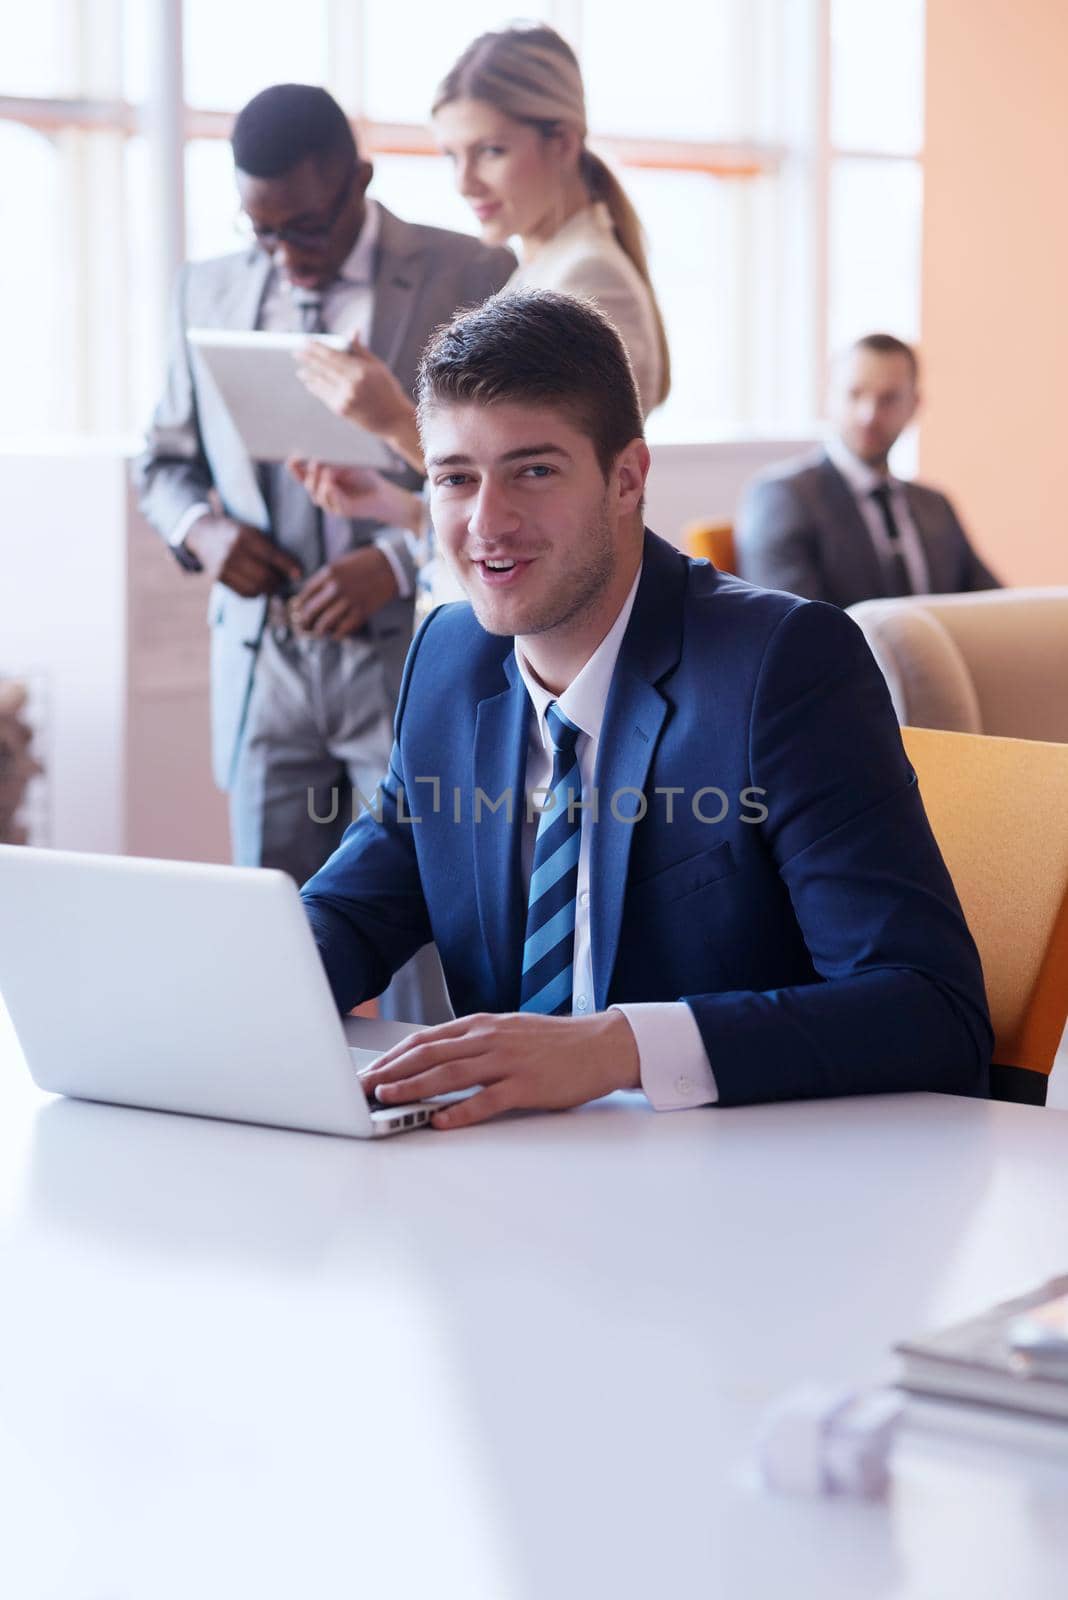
(660, 823)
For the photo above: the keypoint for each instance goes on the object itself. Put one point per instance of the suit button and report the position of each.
(683, 1086)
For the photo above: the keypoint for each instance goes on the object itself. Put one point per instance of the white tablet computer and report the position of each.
(275, 415)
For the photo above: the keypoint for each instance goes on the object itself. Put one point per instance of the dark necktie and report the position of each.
(549, 947)
(897, 581)
(334, 533)
(309, 304)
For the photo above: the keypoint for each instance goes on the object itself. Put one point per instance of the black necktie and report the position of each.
(898, 581)
(309, 304)
(334, 533)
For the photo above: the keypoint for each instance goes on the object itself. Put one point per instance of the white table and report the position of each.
(526, 1362)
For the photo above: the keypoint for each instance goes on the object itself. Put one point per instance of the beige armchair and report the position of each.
(993, 662)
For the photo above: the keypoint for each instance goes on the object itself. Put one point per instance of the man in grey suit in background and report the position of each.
(837, 525)
(311, 615)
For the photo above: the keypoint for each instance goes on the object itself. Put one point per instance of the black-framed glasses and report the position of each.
(314, 234)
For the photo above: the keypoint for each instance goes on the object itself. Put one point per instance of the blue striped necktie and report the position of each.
(549, 949)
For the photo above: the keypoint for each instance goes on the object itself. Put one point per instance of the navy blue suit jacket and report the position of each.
(821, 946)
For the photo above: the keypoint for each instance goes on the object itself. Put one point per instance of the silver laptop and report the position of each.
(180, 987)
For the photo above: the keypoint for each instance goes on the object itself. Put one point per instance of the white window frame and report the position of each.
(789, 358)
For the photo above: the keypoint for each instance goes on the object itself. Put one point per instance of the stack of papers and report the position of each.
(1013, 1357)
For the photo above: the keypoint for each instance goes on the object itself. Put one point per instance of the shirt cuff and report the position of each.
(672, 1059)
(177, 535)
(387, 543)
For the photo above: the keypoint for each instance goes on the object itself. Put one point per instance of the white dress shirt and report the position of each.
(347, 308)
(863, 481)
(674, 1065)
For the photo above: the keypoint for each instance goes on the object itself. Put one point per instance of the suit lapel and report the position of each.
(941, 577)
(852, 553)
(243, 483)
(399, 273)
(239, 305)
(633, 719)
(251, 308)
(499, 768)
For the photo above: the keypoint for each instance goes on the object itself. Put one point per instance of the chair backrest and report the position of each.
(991, 662)
(712, 541)
(999, 810)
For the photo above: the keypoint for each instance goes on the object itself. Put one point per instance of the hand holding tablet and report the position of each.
(355, 384)
(274, 412)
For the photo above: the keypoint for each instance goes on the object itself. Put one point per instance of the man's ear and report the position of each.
(365, 171)
(631, 471)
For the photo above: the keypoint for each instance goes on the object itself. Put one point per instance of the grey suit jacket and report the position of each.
(422, 276)
(799, 528)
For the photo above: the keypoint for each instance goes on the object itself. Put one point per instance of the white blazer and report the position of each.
(584, 257)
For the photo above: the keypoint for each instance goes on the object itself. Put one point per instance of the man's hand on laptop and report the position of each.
(515, 1061)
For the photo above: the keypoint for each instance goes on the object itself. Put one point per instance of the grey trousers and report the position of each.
(319, 727)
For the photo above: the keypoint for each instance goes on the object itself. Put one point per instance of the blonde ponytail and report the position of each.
(630, 236)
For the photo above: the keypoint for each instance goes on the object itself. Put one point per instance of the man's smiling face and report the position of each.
(523, 513)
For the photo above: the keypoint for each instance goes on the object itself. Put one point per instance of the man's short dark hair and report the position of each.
(287, 124)
(534, 347)
(885, 344)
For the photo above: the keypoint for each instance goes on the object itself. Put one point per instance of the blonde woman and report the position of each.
(511, 117)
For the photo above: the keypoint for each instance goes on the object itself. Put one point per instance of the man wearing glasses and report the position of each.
(311, 613)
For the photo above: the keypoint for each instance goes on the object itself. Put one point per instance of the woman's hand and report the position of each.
(360, 387)
(358, 492)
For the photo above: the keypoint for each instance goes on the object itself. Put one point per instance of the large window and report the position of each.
(876, 183)
(772, 148)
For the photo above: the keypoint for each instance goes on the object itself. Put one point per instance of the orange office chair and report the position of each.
(712, 541)
(999, 810)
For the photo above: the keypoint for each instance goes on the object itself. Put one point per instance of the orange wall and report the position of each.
(995, 277)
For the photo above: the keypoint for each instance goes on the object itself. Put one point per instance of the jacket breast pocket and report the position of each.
(684, 877)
